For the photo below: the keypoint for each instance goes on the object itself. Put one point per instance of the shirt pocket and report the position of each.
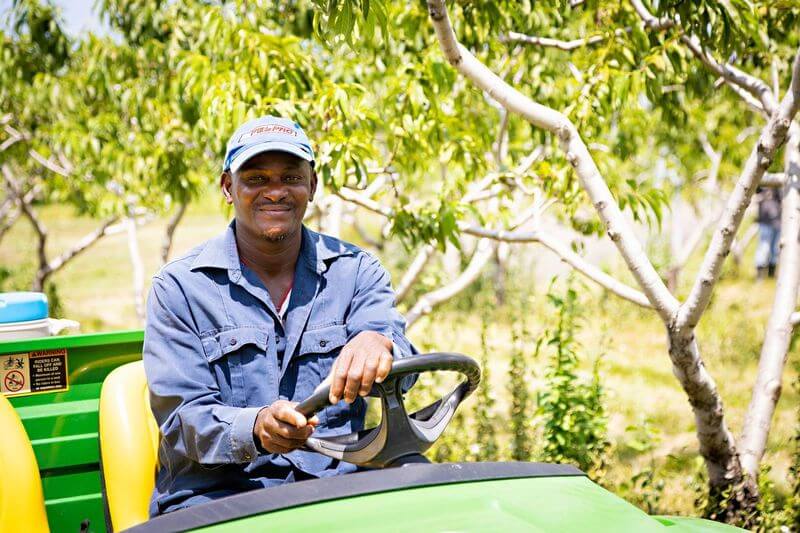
(323, 340)
(231, 353)
(228, 341)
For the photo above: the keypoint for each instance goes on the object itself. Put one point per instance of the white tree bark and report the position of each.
(414, 270)
(332, 221)
(136, 265)
(547, 42)
(773, 179)
(767, 389)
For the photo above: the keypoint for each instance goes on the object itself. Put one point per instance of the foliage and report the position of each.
(518, 382)
(571, 407)
(645, 487)
(485, 447)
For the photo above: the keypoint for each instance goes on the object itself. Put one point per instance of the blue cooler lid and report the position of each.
(22, 306)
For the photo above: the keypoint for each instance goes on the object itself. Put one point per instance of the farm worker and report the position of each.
(769, 231)
(252, 321)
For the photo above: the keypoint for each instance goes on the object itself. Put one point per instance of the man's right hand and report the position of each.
(280, 428)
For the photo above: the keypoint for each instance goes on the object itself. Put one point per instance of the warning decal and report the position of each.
(32, 372)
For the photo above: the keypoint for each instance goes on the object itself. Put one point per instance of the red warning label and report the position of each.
(14, 381)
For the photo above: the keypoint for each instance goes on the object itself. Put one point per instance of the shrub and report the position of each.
(571, 408)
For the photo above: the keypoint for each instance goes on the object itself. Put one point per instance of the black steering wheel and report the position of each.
(399, 434)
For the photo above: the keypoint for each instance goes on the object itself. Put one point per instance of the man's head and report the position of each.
(269, 178)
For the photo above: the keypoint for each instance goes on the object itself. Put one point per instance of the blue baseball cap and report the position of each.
(266, 134)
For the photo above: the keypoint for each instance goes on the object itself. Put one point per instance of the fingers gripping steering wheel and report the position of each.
(399, 434)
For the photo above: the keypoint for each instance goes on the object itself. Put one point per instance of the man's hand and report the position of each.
(280, 428)
(365, 360)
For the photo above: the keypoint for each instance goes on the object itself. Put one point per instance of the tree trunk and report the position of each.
(500, 273)
(138, 268)
(169, 233)
(332, 224)
(732, 494)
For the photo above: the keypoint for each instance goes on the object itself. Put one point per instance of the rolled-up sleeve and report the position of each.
(184, 394)
(373, 307)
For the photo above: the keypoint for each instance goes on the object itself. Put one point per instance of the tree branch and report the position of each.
(82, 245)
(8, 222)
(11, 211)
(426, 303)
(568, 256)
(547, 42)
(732, 75)
(501, 142)
(30, 214)
(775, 180)
(772, 137)
(49, 164)
(414, 270)
(378, 244)
(650, 20)
(576, 151)
(795, 319)
(778, 335)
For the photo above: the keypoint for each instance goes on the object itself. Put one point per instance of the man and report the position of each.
(249, 323)
(769, 231)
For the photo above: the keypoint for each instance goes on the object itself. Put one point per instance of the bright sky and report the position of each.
(79, 15)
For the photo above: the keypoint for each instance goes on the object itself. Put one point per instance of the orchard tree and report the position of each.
(666, 54)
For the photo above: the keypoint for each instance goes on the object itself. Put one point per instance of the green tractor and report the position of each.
(79, 454)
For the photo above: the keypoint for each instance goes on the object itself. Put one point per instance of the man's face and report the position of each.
(270, 193)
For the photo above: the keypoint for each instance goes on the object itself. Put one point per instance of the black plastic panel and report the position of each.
(346, 486)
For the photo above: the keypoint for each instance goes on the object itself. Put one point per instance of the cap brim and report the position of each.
(242, 157)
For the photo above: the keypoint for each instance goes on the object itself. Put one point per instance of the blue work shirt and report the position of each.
(211, 355)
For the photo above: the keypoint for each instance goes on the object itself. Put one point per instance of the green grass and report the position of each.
(95, 290)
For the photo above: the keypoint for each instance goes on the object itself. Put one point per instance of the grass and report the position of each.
(641, 391)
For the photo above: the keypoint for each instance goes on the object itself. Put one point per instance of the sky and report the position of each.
(79, 15)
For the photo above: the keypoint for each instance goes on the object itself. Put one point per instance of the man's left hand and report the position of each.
(365, 360)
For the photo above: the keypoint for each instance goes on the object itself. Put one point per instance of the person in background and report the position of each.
(769, 231)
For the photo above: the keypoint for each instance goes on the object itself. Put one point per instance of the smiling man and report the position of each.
(250, 323)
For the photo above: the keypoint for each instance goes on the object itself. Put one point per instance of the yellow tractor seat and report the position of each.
(128, 445)
(21, 498)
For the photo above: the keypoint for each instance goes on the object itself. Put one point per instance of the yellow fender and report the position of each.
(128, 444)
(21, 497)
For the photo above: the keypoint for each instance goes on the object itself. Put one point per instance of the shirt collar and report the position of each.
(316, 251)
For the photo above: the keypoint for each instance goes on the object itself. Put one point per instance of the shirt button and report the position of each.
(323, 343)
(233, 342)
